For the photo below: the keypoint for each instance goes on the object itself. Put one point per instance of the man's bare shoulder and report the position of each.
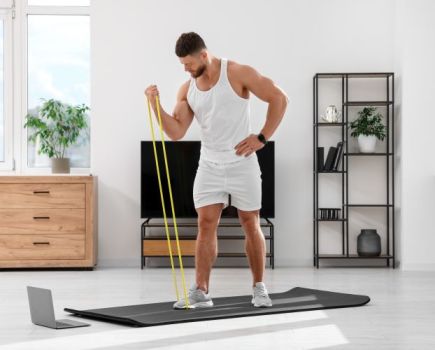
(237, 69)
(182, 92)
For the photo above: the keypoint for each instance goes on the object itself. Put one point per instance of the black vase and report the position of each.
(369, 243)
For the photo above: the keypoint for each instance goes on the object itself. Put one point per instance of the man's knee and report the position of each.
(249, 220)
(208, 217)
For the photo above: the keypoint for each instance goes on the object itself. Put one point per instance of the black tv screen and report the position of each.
(183, 157)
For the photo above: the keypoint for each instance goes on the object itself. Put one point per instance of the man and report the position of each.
(217, 94)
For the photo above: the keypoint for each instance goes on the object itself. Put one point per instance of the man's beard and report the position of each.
(199, 72)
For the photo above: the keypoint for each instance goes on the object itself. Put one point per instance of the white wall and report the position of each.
(415, 65)
(289, 41)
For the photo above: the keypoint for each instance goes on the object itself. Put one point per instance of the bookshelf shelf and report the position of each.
(329, 124)
(331, 172)
(368, 205)
(353, 75)
(369, 154)
(341, 158)
(368, 103)
(353, 256)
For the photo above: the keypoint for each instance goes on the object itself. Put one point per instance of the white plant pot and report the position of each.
(367, 144)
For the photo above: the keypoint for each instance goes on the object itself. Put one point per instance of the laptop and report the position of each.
(42, 311)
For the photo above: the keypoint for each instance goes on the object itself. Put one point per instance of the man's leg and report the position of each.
(206, 243)
(255, 244)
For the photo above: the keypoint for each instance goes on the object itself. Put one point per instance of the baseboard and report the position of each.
(119, 262)
(307, 262)
(332, 263)
(162, 262)
(285, 262)
(418, 266)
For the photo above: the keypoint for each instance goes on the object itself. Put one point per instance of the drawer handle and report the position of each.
(41, 192)
(41, 243)
(41, 218)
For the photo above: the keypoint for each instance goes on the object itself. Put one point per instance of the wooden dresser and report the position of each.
(48, 221)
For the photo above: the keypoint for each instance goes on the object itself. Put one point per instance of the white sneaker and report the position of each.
(197, 298)
(260, 297)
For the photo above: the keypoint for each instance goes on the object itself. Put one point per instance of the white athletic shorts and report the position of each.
(241, 179)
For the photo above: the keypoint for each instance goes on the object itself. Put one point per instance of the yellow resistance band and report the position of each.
(163, 203)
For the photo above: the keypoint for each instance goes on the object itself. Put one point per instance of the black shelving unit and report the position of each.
(388, 206)
(264, 222)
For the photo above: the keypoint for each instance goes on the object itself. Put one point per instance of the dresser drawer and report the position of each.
(43, 195)
(157, 247)
(45, 247)
(37, 221)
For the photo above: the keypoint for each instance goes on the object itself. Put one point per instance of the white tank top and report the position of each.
(223, 117)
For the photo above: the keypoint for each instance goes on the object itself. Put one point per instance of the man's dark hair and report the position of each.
(188, 44)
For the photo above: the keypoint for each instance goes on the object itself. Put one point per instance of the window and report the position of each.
(58, 66)
(58, 2)
(5, 89)
(2, 112)
(44, 53)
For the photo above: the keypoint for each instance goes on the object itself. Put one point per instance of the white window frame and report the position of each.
(23, 10)
(6, 17)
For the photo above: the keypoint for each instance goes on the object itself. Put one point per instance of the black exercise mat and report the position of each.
(296, 299)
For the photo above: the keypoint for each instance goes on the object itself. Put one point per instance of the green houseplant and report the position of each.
(368, 127)
(57, 125)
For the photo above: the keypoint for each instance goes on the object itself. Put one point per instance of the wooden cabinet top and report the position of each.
(55, 178)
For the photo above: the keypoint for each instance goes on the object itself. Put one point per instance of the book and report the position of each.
(320, 158)
(329, 163)
(338, 156)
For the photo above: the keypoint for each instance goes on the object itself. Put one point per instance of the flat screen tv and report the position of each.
(183, 157)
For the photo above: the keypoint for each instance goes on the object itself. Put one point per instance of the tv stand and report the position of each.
(157, 246)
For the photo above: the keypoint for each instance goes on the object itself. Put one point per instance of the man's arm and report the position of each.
(266, 90)
(182, 111)
(174, 126)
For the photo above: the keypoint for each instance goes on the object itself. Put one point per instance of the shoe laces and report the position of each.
(194, 290)
(261, 291)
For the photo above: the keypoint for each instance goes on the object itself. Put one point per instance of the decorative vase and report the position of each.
(60, 166)
(368, 243)
(367, 144)
(332, 114)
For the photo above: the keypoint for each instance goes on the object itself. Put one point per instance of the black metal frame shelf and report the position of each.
(353, 256)
(388, 102)
(220, 255)
(354, 75)
(264, 222)
(330, 172)
(183, 237)
(367, 103)
(369, 205)
(369, 154)
(329, 124)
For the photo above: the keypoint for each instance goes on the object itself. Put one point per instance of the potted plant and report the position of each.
(368, 127)
(57, 125)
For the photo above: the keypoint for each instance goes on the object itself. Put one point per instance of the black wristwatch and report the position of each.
(262, 138)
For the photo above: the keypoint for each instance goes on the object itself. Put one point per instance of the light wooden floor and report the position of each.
(401, 314)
